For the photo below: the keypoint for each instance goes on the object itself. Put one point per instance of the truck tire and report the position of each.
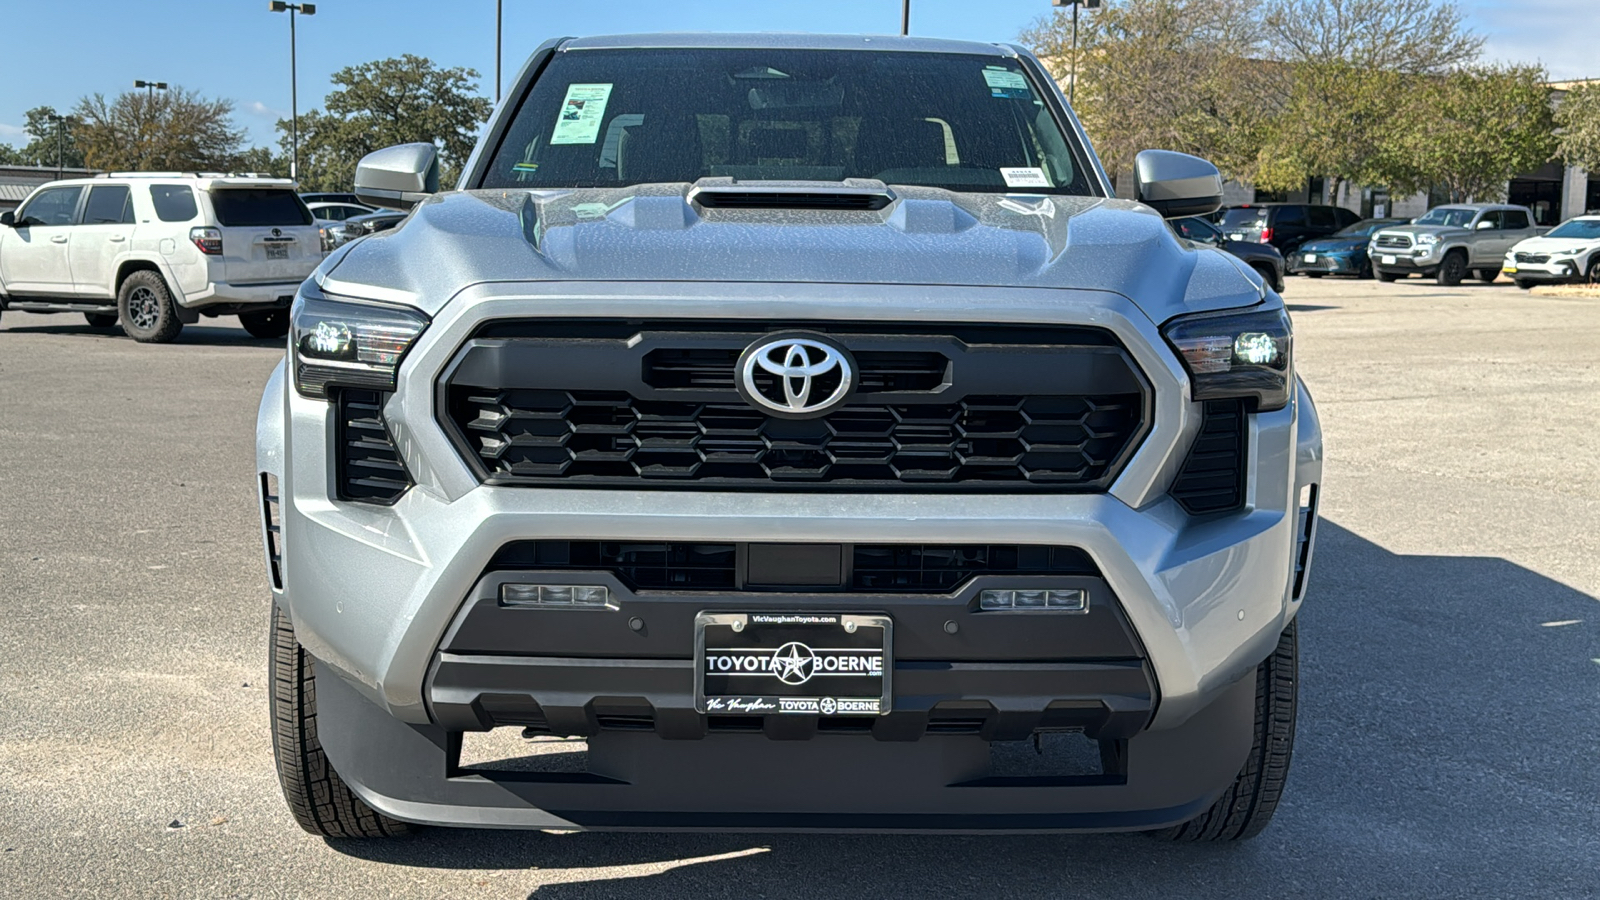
(1270, 276)
(1525, 284)
(145, 307)
(1247, 806)
(1488, 276)
(100, 320)
(1452, 269)
(268, 324)
(321, 803)
(1387, 277)
(1593, 275)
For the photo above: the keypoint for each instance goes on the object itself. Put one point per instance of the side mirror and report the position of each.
(398, 177)
(8, 218)
(1177, 184)
(1484, 225)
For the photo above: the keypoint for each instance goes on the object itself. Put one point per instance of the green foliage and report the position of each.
(1471, 131)
(172, 130)
(390, 101)
(261, 160)
(1578, 116)
(1411, 37)
(41, 149)
(1176, 74)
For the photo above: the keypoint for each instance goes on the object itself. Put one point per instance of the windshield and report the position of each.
(1581, 229)
(609, 118)
(1366, 227)
(1448, 215)
(255, 207)
(1244, 218)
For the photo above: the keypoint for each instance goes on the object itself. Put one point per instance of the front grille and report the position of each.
(1533, 257)
(1393, 241)
(617, 404)
(370, 468)
(274, 529)
(1212, 478)
(874, 568)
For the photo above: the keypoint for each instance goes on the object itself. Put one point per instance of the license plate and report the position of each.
(277, 251)
(805, 664)
(1388, 260)
(1236, 236)
(1510, 270)
(1311, 257)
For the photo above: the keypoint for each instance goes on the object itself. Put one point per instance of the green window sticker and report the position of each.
(1005, 84)
(581, 112)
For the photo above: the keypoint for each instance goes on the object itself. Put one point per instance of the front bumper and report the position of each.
(1340, 263)
(373, 593)
(274, 295)
(1543, 273)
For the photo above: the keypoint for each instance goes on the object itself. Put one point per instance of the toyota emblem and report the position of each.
(796, 376)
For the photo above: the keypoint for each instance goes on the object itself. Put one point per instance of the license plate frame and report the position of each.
(1387, 260)
(277, 252)
(826, 669)
(1310, 257)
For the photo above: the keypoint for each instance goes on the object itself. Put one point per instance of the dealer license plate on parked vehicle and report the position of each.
(277, 251)
(816, 664)
(1388, 260)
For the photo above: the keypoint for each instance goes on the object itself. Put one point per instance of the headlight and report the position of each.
(1237, 354)
(1573, 252)
(359, 345)
(1427, 240)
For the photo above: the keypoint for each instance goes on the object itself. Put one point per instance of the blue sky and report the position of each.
(56, 51)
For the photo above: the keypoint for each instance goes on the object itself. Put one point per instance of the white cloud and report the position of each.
(257, 108)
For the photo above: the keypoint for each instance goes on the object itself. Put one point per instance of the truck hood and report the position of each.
(652, 233)
(1443, 231)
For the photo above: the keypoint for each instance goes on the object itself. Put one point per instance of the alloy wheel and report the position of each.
(145, 308)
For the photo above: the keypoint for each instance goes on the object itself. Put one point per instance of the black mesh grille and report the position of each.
(370, 468)
(876, 568)
(1533, 257)
(1393, 241)
(574, 436)
(274, 526)
(1212, 478)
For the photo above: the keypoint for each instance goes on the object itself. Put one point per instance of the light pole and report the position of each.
(498, 10)
(150, 107)
(60, 122)
(1072, 87)
(905, 17)
(309, 9)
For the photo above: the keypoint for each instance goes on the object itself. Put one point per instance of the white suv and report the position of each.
(156, 250)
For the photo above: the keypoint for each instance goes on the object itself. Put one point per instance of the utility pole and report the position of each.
(60, 122)
(498, 14)
(905, 17)
(150, 107)
(1072, 86)
(309, 9)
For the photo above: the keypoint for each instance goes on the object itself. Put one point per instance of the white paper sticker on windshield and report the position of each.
(1005, 83)
(581, 112)
(1024, 177)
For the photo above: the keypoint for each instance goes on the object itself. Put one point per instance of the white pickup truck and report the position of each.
(1450, 241)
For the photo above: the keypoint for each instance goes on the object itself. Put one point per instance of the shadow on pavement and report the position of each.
(203, 335)
(1447, 735)
(1308, 307)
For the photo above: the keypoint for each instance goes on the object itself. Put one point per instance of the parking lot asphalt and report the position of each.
(1450, 697)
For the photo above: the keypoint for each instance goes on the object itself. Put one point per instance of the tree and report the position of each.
(389, 101)
(1172, 74)
(42, 149)
(174, 130)
(1474, 129)
(1349, 62)
(263, 161)
(1578, 116)
(1414, 37)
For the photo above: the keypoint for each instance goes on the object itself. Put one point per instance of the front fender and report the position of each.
(269, 423)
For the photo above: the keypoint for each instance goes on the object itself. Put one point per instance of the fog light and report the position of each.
(1074, 600)
(579, 595)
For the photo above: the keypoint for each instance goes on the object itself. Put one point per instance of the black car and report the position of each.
(1264, 258)
(372, 223)
(1284, 225)
(1343, 253)
(329, 197)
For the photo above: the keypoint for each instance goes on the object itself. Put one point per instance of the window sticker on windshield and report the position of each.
(581, 112)
(1004, 83)
(1024, 177)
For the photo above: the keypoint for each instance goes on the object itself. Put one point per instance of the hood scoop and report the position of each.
(852, 194)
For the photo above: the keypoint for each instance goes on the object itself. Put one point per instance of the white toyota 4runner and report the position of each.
(157, 250)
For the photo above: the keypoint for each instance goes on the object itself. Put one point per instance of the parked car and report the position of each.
(1284, 225)
(156, 251)
(326, 197)
(1264, 258)
(1570, 252)
(810, 480)
(372, 223)
(1449, 241)
(1342, 253)
(338, 212)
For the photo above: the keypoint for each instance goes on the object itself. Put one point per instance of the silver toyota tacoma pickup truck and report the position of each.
(786, 433)
(1447, 242)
